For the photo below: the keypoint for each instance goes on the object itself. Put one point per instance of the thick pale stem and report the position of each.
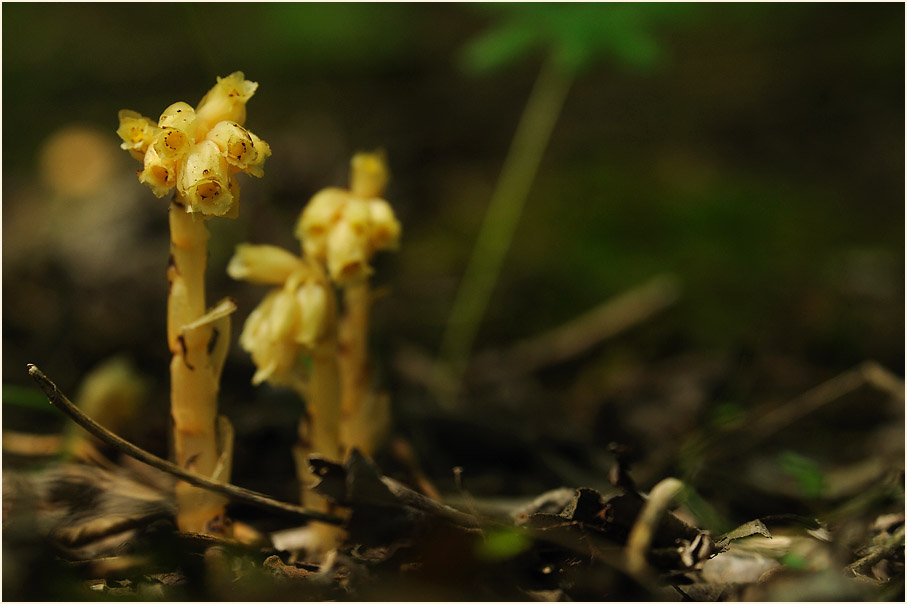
(318, 433)
(301, 451)
(194, 379)
(355, 373)
(324, 401)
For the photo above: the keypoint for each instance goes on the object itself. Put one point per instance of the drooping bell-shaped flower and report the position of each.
(137, 132)
(204, 180)
(292, 318)
(244, 151)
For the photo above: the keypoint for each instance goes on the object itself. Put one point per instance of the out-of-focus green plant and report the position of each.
(572, 37)
(575, 34)
(503, 544)
(806, 472)
(27, 398)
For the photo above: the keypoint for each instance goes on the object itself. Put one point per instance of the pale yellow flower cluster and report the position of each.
(340, 231)
(200, 150)
(344, 228)
(290, 320)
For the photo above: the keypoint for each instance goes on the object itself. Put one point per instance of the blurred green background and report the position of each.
(754, 151)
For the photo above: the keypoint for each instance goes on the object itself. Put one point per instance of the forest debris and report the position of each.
(886, 522)
(768, 422)
(110, 566)
(277, 567)
(31, 445)
(403, 452)
(546, 595)
(549, 502)
(612, 516)
(885, 545)
(748, 529)
(89, 511)
(382, 508)
(786, 585)
(737, 567)
(646, 524)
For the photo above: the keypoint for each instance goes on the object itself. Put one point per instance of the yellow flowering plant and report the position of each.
(343, 229)
(196, 153)
(297, 337)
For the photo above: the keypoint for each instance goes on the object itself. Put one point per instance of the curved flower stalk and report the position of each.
(196, 153)
(343, 229)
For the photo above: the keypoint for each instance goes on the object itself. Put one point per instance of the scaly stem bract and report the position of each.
(355, 375)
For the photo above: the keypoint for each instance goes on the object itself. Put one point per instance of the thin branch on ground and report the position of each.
(866, 373)
(59, 400)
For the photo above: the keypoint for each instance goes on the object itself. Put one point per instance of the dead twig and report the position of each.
(886, 547)
(557, 345)
(580, 334)
(602, 322)
(773, 421)
(59, 400)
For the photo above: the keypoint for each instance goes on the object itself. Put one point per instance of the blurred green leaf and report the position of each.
(30, 398)
(502, 545)
(794, 561)
(805, 471)
(499, 47)
(706, 515)
(727, 415)
(577, 34)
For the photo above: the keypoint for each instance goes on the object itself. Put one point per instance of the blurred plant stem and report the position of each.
(504, 210)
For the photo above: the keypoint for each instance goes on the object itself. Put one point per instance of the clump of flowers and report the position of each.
(343, 228)
(296, 336)
(291, 320)
(196, 153)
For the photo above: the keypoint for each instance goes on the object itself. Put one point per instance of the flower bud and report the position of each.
(369, 175)
(226, 101)
(262, 264)
(204, 180)
(137, 132)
